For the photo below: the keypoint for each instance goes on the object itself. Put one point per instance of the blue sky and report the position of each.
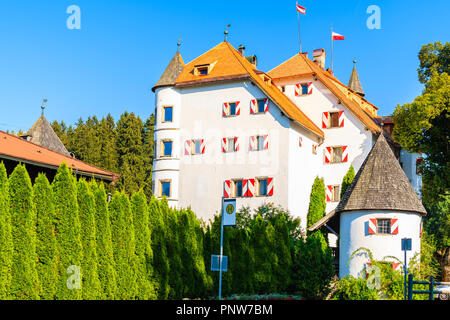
(123, 47)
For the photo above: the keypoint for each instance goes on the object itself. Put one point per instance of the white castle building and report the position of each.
(226, 129)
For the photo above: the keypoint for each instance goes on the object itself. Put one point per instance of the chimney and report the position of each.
(242, 50)
(319, 57)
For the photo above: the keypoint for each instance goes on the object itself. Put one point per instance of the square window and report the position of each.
(168, 114)
(334, 120)
(262, 183)
(384, 226)
(165, 188)
(261, 105)
(238, 191)
(167, 148)
(231, 146)
(260, 143)
(336, 194)
(337, 155)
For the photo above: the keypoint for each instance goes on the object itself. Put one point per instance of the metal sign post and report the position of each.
(228, 219)
(406, 246)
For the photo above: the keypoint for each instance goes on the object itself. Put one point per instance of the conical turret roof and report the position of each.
(42, 134)
(171, 73)
(354, 82)
(381, 184)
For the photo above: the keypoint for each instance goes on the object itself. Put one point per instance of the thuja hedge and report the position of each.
(64, 240)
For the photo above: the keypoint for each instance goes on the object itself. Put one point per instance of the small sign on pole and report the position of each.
(406, 246)
(229, 212)
(215, 264)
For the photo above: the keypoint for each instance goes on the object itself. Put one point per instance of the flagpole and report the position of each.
(299, 39)
(332, 69)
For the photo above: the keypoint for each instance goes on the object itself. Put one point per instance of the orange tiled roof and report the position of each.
(228, 64)
(300, 65)
(12, 147)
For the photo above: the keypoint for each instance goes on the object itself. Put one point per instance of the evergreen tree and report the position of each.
(24, 281)
(86, 209)
(347, 181)
(108, 153)
(144, 272)
(148, 152)
(317, 202)
(67, 236)
(105, 256)
(264, 257)
(123, 240)
(47, 264)
(6, 242)
(159, 247)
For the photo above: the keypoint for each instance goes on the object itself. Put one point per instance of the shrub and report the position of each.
(350, 288)
(47, 264)
(347, 180)
(6, 244)
(24, 282)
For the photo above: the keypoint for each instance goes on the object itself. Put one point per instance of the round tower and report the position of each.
(166, 163)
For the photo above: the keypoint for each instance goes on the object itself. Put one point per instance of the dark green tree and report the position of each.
(24, 281)
(86, 209)
(6, 242)
(67, 236)
(317, 202)
(105, 256)
(347, 180)
(47, 264)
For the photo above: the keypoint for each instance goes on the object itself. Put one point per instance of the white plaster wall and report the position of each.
(202, 176)
(409, 164)
(353, 134)
(354, 235)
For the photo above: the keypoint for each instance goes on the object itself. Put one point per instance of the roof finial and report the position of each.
(226, 31)
(354, 63)
(43, 106)
(179, 44)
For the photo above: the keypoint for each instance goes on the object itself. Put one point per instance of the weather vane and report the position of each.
(43, 105)
(226, 31)
(179, 44)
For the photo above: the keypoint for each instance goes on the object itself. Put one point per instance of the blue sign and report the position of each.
(406, 244)
(215, 265)
(229, 212)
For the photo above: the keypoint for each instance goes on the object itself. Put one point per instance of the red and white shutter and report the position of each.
(270, 186)
(224, 145)
(345, 154)
(187, 147)
(394, 226)
(341, 119)
(395, 265)
(227, 189)
(250, 188)
(253, 106)
(225, 109)
(310, 89)
(266, 142)
(329, 193)
(298, 89)
(372, 226)
(266, 105)
(203, 146)
(325, 120)
(236, 144)
(253, 143)
(421, 229)
(244, 188)
(238, 108)
(300, 142)
(327, 154)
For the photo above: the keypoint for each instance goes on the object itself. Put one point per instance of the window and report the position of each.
(384, 226)
(165, 188)
(168, 114)
(336, 155)
(305, 88)
(197, 147)
(231, 147)
(261, 106)
(238, 189)
(201, 70)
(262, 187)
(334, 120)
(232, 109)
(167, 148)
(260, 140)
(258, 143)
(336, 193)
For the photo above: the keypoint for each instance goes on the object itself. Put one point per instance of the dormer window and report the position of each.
(202, 70)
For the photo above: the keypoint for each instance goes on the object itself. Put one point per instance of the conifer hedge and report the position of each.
(6, 245)
(65, 241)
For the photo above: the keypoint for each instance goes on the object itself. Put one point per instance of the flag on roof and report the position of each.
(301, 9)
(337, 36)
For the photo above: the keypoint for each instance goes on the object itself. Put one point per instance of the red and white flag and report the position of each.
(337, 36)
(301, 9)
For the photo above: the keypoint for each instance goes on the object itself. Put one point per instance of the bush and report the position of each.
(6, 245)
(350, 288)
